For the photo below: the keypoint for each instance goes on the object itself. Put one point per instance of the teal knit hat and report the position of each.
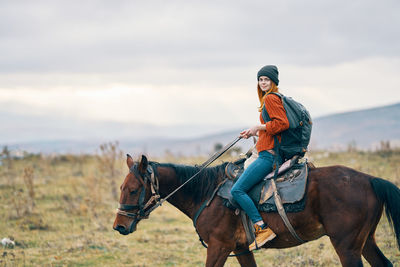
(271, 71)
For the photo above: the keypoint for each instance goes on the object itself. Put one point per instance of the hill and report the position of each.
(364, 129)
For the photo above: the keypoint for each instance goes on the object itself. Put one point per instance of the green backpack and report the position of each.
(295, 140)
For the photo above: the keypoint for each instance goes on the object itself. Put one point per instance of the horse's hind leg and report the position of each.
(349, 251)
(246, 259)
(348, 240)
(373, 254)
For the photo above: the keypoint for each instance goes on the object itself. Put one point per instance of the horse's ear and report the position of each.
(143, 164)
(129, 161)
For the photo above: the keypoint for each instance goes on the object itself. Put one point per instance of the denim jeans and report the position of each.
(254, 173)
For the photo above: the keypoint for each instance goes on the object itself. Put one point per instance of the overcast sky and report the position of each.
(194, 62)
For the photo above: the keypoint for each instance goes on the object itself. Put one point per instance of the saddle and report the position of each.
(291, 184)
(234, 169)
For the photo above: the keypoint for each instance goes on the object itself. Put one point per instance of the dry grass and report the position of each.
(74, 209)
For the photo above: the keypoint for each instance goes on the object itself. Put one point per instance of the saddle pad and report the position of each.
(291, 187)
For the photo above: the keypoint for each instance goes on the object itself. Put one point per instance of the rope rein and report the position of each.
(203, 166)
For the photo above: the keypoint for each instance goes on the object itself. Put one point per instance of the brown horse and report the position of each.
(342, 203)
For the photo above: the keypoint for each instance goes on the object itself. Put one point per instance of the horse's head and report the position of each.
(138, 191)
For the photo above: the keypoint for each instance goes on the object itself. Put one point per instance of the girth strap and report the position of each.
(207, 203)
(196, 216)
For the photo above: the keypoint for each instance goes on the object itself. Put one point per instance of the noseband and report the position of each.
(142, 213)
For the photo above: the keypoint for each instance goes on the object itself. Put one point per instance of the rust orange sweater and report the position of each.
(279, 122)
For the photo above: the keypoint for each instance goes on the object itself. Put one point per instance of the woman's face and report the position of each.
(265, 83)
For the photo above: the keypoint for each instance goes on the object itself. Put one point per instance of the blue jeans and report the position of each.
(254, 173)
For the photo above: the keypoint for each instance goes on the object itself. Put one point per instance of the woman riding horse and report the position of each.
(267, 83)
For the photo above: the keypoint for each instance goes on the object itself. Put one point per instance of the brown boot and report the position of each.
(262, 237)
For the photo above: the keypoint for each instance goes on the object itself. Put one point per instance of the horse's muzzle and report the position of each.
(121, 229)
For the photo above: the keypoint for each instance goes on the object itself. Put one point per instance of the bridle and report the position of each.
(150, 175)
(142, 208)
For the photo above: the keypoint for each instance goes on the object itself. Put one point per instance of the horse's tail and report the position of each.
(389, 194)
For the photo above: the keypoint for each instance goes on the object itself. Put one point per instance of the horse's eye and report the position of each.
(133, 192)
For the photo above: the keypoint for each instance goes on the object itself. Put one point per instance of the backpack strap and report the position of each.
(264, 112)
(266, 119)
(278, 94)
(265, 115)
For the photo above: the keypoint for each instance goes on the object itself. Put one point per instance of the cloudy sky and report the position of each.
(194, 62)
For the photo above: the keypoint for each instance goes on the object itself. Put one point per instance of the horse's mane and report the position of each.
(203, 184)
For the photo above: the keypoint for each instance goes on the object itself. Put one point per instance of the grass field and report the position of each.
(59, 211)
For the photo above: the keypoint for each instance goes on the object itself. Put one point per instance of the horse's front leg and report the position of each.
(217, 253)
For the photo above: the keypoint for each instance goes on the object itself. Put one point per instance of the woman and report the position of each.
(267, 83)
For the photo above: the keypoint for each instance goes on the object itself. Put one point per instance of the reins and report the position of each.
(202, 167)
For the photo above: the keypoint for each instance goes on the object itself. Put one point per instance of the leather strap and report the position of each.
(250, 236)
(282, 213)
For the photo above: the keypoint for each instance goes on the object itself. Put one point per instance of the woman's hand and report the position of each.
(252, 131)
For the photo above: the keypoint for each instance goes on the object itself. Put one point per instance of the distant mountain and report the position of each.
(364, 129)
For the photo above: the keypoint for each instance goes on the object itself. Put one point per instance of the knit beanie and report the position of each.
(271, 71)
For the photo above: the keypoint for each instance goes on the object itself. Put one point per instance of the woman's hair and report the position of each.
(262, 94)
